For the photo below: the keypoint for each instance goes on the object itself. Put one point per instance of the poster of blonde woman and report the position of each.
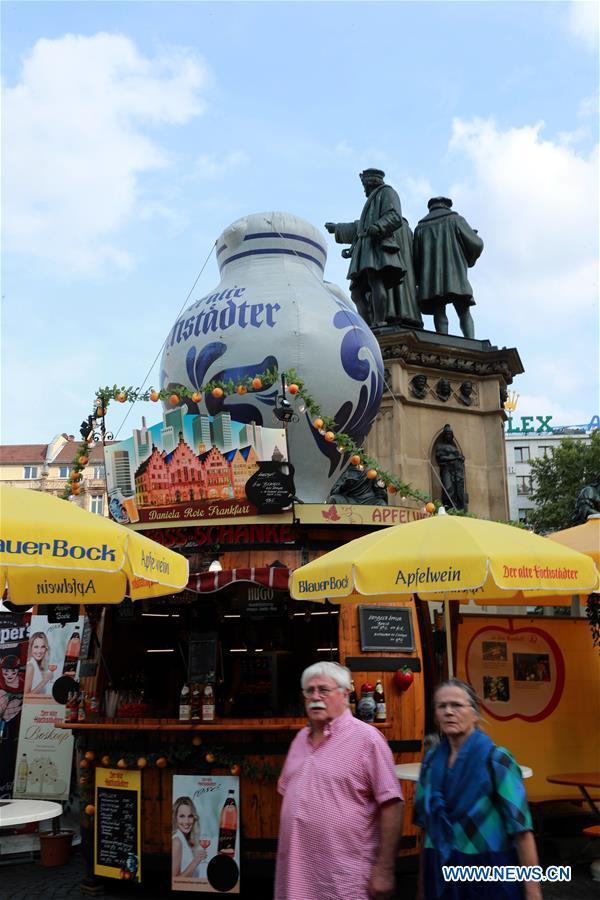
(205, 834)
(45, 752)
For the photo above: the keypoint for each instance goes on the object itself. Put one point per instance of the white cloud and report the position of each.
(75, 146)
(211, 168)
(582, 21)
(563, 413)
(588, 107)
(534, 202)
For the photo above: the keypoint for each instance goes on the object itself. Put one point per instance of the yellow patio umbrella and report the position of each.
(51, 551)
(584, 538)
(448, 558)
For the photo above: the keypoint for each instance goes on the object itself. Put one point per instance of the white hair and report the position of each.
(340, 674)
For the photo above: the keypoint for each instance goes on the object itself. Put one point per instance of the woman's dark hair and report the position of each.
(464, 686)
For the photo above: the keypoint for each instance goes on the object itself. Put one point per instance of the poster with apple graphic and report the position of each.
(518, 672)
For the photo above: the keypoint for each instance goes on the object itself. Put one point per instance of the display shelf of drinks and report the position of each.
(197, 712)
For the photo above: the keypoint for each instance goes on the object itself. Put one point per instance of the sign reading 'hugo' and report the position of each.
(273, 311)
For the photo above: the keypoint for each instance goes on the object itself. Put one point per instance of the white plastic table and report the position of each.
(411, 771)
(20, 812)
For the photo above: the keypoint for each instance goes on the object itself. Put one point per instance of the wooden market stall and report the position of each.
(239, 628)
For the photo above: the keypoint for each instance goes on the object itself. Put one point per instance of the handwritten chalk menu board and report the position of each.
(117, 832)
(202, 658)
(387, 628)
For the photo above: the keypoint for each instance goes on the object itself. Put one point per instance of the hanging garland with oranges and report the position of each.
(203, 760)
(295, 387)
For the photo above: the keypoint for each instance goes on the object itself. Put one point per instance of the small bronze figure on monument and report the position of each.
(380, 256)
(445, 246)
(452, 470)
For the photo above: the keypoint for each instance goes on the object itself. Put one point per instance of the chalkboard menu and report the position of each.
(387, 628)
(63, 613)
(271, 489)
(117, 824)
(202, 660)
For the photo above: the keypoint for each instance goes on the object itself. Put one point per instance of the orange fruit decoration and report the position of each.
(121, 764)
(318, 423)
(105, 760)
(75, 489)
(257, 384)
(371, 473)
(83, 780)
(392, 489)
(196, 740)
(430, 507)
(121, 396)
(329, 436)
(83, 460)
(196, 397)
(142, 762)
(242, 389)
(90, 755)
(235, 769)
(100, 411)
(84, 764)
(174, 399)
(217, 392)
(355, 459)
(210, 757)
(293, 388)
(90, 809)
(161, 762)
(154, 396)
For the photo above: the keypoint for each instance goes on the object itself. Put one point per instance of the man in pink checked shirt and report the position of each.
(341, 817)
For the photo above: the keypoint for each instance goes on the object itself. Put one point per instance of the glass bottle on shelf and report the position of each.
(81, 711)
(380, 707)
(366, 704)
(352, 700)
(185, 708)
(208, 703)
(196, 711)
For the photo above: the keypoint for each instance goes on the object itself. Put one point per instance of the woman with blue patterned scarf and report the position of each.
(471, 802)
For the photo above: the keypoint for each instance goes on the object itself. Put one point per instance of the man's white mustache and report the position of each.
(317, 704)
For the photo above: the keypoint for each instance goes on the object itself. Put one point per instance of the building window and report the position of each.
(63, 471)
(521, 454)
(524, 484)
(97, 504)
(546, 451)
(98, 472)
(523, 513)
(30, 472)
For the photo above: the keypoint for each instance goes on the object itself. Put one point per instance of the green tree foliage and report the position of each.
(559, 478)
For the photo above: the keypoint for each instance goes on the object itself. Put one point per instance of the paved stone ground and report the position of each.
(31, 881)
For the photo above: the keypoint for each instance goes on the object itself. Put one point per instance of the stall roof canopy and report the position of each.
(276, 577)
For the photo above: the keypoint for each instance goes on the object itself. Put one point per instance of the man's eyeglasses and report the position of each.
(321, 690)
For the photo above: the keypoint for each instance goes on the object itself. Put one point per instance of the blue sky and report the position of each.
(134, 133)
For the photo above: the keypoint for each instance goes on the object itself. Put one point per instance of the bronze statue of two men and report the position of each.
(394, 277)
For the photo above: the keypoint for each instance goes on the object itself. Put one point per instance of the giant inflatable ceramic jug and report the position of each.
(272, 309)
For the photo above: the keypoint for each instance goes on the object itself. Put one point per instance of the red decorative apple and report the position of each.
(404, 678)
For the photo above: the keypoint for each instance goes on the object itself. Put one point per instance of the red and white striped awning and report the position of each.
(276, 577)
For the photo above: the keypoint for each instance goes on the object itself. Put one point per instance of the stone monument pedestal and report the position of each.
(463, 383)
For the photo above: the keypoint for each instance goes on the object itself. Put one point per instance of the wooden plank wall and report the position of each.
(405, 709)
